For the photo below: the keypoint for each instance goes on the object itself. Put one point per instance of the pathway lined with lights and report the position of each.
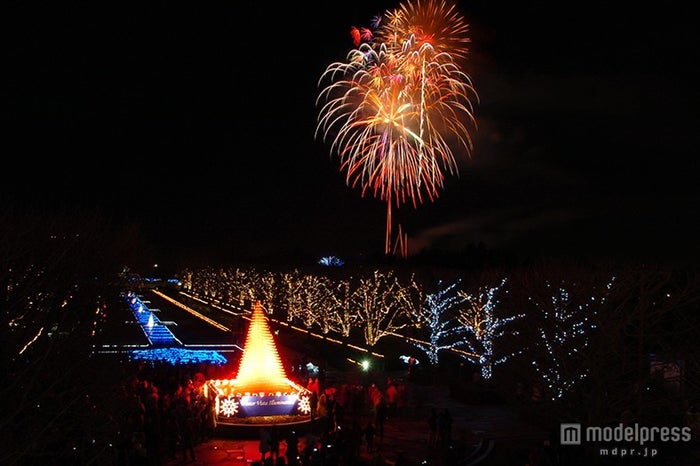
(162, 344)
(158, 335)
(305, 331)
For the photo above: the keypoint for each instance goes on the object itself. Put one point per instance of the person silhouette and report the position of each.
(275, 442)
(370, 431)
(380, 416)
(444, 422)
(292, 451)
(432, 427)
(264, 444)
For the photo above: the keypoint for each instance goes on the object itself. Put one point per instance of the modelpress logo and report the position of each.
(570, 434)
(623, 440)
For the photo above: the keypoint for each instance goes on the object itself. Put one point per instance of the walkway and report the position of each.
(157, 334)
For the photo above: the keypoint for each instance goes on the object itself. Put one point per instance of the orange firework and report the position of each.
(437, 23)
(398, 105)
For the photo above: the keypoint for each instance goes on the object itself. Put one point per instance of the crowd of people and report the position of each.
(166, 415)
(347, 428)
(163, 413)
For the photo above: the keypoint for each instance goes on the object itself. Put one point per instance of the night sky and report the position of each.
(196, 121)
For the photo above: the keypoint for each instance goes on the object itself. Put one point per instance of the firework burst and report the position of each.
(430, 22)
(395, 110)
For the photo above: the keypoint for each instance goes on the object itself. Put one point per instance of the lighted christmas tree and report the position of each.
(261, 368)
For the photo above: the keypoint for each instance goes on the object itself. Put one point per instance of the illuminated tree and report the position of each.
(383, 304)
(240, 287)
(331, 261)
(292, 295)
(483, 326)
(436, 317)
(188, 279)
(341, 316)
(320, 297)
(308, 298)
(267, 291)
(564, 331)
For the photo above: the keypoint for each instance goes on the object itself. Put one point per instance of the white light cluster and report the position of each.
(563, 335)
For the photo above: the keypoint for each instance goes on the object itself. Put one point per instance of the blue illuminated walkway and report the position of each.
(163, 345)
(157, 333)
